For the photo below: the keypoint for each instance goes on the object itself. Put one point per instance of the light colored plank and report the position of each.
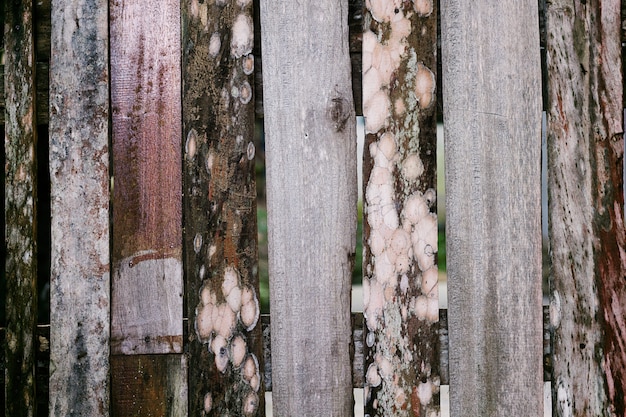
(20, 143)
(311, 200)
(586, 207)
(220, 210)
(492, 121)
(401, 305)
(79, 161)
(147, 292)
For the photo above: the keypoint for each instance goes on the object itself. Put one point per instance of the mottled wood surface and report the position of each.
(492, 113)
(147, 287)
(79, 175)
(586, 207)
(20, 193)
(311, 203)
(401, 308)
(225, 344)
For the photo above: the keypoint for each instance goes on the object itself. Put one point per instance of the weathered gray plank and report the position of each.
(311, 200)
(20, 143)
(41, 101)
(147, 288)
(79, 160)
(492, 122)
(586, 207)
(400, 220)
(220, 210)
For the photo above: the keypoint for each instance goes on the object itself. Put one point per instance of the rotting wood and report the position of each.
(225, 341)
(41, 101)
(79, 174)
(400, 288)
(492, 122)
(311, 200)
(149, 385)
(20, 144)
(586, 207)
(147, 288)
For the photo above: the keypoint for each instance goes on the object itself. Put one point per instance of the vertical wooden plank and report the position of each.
(20, 143)
(586, 207)
(311, 203)
(400, 229)
(225, 342)
(492, 121)
(79, 175)
(147, 293)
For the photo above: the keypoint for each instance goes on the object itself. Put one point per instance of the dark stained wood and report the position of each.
(41, 101)
(586, 207)
(147, 288)
(225, 342)
(149, 385)
(401, 308)
(492, 122)
(79, 176)
(20, 144)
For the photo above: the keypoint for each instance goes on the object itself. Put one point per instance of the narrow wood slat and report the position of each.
(147, 289)
(79, 174)
(400, 288)
(225, 343)
(586, 207)
(20, 143)
(41, 101)
(492, 121)
(311, 199)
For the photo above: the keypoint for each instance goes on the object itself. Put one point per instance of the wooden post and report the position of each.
(311, 203)
(586, 207)
(400, 228)
(225, 341)
(79, 175)
(20, 196)
(147, 288)
(492, 121)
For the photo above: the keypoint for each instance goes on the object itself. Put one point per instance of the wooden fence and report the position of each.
(150, 110)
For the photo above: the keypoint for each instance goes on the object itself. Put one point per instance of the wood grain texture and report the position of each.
(147, 289)
(311, 203)
(79, 174)
(149, 385)
(400, 222)
(225, 342)
(20, 143)
(586, 207)
(492, 121)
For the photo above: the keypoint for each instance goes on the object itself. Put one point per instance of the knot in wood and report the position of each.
(339, 112)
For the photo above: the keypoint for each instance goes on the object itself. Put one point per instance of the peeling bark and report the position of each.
(586, 206)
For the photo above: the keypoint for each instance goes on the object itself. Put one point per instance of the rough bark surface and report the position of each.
(311, 199)
(586, 208)
(492, 120)
(225, 342)
(400, 229)
(147, 288)
(20, 143)
(79, 161)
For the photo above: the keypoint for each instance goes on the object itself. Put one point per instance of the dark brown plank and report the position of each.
(147, 289)
(586, 207)
(20, 143)
(400, 228)
(225, 342)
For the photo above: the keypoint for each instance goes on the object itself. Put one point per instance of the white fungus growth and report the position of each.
(245, 93)
(250, 404)
(237, 350)
(429, 281)
(424, 85)
(247, 64)
(215, 43)
(208, 402)
(249, 313)
(250, 151)
(412, 167)
(372, 377)
(242, 37)
(251, 372)
(376, 111)
(218, 347)
(425, 392)
(423, 7)
(192, 144)
(231, 280)
(197, 243)
(383, 10)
